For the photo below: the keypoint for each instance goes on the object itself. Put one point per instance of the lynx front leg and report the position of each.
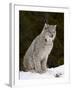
(44, 64)
(38, 66)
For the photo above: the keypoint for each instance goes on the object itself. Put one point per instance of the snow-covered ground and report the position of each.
(57, 72)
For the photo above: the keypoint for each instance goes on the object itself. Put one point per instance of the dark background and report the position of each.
(31, 24)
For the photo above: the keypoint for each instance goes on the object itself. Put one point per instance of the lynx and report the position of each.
(37, 54)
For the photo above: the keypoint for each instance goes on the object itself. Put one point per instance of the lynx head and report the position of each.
(49, 31)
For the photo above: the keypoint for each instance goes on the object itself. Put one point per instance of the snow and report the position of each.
(57, 72)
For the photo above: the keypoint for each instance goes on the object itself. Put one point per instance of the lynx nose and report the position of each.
(51, 35)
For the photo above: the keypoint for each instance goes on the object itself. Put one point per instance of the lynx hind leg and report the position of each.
(44, 65)
(28, 64)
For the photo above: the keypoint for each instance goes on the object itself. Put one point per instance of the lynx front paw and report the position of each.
(39, 71)
(44, 68)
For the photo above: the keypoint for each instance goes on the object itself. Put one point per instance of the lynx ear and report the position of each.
(45, 24)
(55, 26)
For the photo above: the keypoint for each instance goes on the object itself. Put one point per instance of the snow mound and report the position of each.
(57, 72)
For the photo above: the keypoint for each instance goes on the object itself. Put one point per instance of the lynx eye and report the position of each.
(45, 40)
